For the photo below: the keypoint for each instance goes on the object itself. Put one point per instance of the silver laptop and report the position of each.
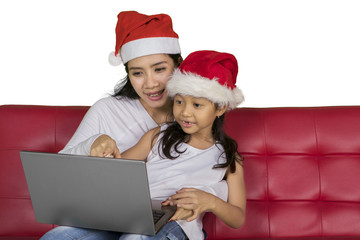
(91, 192)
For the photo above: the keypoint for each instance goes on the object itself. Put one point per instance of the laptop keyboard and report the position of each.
(157, 215)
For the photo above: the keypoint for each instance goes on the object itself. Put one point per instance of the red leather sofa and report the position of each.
(302, 169)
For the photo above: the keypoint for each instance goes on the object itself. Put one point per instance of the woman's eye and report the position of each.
(160, 69)
(197, 105)
(178, 102)
(136, 74)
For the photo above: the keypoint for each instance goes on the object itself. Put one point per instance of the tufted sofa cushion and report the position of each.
(302, 169)
(33, 128)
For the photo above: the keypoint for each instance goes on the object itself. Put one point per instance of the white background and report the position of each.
(290, 53)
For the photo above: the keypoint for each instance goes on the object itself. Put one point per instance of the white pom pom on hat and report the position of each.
(114, 60)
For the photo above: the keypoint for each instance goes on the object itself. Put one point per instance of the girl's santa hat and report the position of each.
(139, 35)
(208, 74)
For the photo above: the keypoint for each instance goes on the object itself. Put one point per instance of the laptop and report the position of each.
(92, 192)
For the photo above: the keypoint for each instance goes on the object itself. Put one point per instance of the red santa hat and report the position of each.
(139, 35)
(210, 75)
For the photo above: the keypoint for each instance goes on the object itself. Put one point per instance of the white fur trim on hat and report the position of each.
(148, 46)
(194, 85)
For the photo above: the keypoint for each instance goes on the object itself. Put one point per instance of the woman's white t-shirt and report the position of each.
(126, 121)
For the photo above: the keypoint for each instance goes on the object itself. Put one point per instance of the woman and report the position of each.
(149, 49)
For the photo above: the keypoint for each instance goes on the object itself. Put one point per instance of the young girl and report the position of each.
(193, 151)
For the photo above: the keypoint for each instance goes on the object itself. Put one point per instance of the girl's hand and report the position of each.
(104, 146)
(192, 199)
(181, 214)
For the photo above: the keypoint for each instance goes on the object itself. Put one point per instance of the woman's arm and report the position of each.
(89, 138)
(85, 135)
(232, 213)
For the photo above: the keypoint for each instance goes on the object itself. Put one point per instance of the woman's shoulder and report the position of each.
(124, 111)
(111, 101)
(112, 104)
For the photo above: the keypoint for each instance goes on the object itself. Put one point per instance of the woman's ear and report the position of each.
(221, 110)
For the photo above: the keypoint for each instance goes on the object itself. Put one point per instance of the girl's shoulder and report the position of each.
(150, 137)
(155, 131)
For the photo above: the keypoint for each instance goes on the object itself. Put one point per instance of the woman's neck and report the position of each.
(160, 115)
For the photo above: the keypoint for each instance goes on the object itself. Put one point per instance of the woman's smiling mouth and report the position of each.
(154, 96)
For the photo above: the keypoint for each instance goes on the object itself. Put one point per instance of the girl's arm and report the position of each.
(141, 150)
(232, 213)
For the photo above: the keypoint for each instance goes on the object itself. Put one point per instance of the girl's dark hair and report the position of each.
(173, 136)
(127, 90)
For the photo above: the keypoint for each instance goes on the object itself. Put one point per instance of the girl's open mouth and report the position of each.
(186, 124)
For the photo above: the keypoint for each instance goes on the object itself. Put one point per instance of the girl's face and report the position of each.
(196, 115)
(148, 76)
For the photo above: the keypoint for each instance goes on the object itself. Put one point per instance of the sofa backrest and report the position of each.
(32, 128)
(302, 169)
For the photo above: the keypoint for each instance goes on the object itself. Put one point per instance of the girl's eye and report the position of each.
(178, 102)
(197, 105)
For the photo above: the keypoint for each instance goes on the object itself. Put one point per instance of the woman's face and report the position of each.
(148, 76)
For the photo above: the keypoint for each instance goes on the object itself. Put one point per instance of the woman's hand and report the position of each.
(192, 199)
(104, 146)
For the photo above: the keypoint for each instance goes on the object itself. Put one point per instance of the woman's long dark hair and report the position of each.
(173, 136)
(127, 90)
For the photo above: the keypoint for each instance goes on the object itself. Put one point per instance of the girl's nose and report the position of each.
(186, 112)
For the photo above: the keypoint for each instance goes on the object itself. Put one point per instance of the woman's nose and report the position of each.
(151, 81)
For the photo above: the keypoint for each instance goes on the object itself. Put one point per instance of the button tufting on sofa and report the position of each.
(302, 169)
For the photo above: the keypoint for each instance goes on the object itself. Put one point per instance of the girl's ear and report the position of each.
(221, 110)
